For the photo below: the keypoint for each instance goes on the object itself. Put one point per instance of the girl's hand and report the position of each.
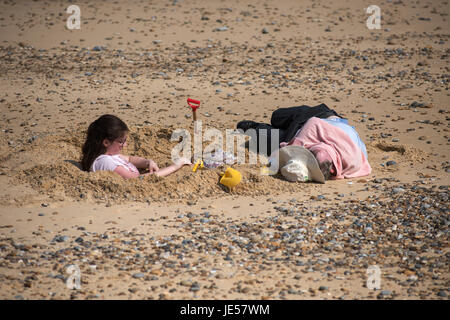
(182, 161)
(152, 166)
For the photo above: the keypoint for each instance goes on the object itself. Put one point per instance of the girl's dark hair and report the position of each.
(325, 167)
(106, 127)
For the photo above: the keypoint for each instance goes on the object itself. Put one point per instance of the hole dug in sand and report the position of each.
(49, 165)
(400, 152)
(382, 151)
(56, 173)
(388, 148)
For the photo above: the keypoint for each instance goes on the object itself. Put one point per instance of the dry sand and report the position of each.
(185, 236)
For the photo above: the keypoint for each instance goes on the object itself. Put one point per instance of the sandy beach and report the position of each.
(186, 236)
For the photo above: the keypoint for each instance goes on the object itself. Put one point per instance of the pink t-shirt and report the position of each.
(110, 163)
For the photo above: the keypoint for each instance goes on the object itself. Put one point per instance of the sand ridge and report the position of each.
(57, 173)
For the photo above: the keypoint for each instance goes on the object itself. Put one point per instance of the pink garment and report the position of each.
(110, 163)
(326, 141)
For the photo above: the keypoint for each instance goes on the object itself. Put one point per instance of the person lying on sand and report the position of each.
(337, 147)
(106, 137)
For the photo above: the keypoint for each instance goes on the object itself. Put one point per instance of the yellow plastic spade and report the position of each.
(198, 165)
(231, 178)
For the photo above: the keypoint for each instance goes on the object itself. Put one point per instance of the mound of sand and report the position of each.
(407, 152)
(50, 166)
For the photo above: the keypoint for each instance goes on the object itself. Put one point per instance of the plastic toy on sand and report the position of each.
(231, 178)
(198, 165)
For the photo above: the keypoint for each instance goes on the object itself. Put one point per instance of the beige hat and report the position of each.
(296, 164)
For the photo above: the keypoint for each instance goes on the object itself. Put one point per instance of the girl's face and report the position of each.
(116, 146)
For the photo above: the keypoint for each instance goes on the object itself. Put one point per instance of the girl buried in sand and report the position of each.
(106, 137)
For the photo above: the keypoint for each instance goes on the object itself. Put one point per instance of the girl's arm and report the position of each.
(141, 163)
(125, 173)
(171, 169)
(168, 170)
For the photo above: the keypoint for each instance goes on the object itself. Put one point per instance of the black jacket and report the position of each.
(291, 119)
